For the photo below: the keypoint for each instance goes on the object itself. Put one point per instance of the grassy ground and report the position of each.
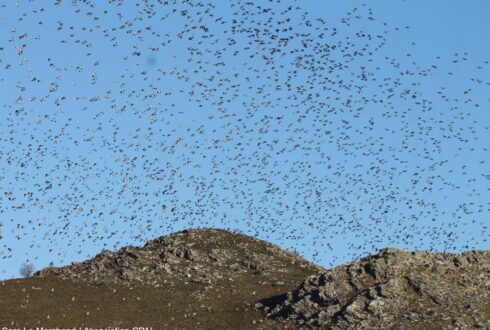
(52, 302)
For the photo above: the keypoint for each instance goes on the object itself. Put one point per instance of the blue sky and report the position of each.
(113, 130)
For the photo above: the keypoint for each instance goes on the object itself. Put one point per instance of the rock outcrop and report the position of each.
(394, 289)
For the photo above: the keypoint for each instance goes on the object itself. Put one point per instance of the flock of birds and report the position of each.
(124, 121)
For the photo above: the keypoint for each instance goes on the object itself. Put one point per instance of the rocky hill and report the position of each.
(214, 279)
(194, 279)
(394, 289)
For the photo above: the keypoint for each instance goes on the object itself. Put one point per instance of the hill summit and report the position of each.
(203, 256)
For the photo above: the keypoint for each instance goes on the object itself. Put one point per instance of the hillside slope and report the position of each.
(206, 278)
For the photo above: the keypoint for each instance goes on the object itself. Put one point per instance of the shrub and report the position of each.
(26, 269)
